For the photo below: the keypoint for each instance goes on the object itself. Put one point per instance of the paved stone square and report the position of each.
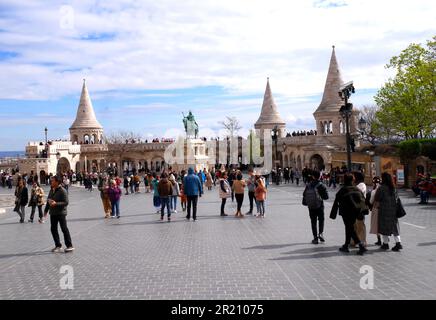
(140, 257)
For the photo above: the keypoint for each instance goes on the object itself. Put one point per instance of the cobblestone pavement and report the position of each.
(139, 257)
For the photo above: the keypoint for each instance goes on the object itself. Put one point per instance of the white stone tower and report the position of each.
(327, 116)
(86, 129)
(269, 116)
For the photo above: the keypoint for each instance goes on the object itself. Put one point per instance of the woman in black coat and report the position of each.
(386, 196)
(21, 199)
(350, 202)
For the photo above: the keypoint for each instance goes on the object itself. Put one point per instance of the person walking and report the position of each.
(193, 188)
(146, 184)
(114, 193)
(209, 181)
(360, 222)
(251, 186)
(156, 197)
(386, 196)
(313, 197)
(21, 199)
(350, 201)
(57, 203)
(103, 187)
(132, 184)
(126, 184)
(175, 193)
(374, 205)
(66, 182)
(36, 200)
(224, 191)
(297, 177)
(165, 190)
(260, 194)
(239, 188)
(292, 174)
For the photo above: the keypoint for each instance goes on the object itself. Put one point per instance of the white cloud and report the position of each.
(183, 44)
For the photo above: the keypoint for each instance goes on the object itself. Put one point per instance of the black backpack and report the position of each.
(311, 197)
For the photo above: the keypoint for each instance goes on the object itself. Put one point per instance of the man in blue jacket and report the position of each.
(193, 188)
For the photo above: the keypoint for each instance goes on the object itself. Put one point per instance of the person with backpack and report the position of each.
(313, 197)
(350, 202)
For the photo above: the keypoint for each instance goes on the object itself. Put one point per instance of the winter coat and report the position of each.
(176, 189)
(36, 197)
(114, 194)
(208, 180)
(22, 196)
(165, 188)
(192, 185)
(60, 196)
(225, 189)
(387, 217)
(343, 203)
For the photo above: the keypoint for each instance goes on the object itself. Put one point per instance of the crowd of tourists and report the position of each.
(354, 201)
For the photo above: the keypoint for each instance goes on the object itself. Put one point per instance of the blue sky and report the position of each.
(146, 62)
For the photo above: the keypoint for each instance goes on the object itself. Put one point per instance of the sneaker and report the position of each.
(175, 211)
(118, 217)
(315, 241)
(378, 243)
(321, 238)
(224, 214)
(344, 248)
(169, 219)
(161, 218)
(194, 220)
(30, 220)
(397, 247)
(70, 249)
(249, 213)
(21, 221)
(384, 246)
(40, 221)
(56, 249)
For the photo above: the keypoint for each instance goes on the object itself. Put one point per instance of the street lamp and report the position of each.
(275, 135)
(345, 92)
(362, 125)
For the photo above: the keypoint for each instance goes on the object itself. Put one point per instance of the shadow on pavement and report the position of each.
(27, 254)
(426, 244)
(320, 252)
(275, 246)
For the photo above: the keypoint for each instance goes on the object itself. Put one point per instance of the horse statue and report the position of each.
(191, 126)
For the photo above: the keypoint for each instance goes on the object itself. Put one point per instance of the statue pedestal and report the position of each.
(194, 156)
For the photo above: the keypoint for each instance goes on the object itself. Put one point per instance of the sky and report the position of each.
(146, 62)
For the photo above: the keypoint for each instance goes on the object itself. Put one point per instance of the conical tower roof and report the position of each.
(269, 113)
(85, 117)
(330, 99)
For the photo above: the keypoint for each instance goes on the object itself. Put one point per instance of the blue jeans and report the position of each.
(115, 207)
(261, 207)
(425, 195)
(165, 203)
(173, 202)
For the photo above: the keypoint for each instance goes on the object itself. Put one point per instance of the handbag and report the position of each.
(400, 212)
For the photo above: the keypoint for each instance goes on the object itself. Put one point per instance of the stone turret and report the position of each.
(86, 129)
(327, 116)
(269, 116)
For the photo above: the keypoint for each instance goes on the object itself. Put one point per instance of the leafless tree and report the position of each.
(122, 137)
(231, 125)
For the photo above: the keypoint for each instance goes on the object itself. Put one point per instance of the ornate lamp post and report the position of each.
(346, 110)
(275, 135)
(362, 126)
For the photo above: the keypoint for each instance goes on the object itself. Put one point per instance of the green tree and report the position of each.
(407, 103)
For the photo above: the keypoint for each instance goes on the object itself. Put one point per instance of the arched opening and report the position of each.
(330, 127)
(326, 128)
(341, 127)
(93, 139)
(86, 139)
(299, 166)
(321, 125)
(63, 166)
(317, 162)
(42, 177)
(75, 138)
(78, 167)
(286, 161)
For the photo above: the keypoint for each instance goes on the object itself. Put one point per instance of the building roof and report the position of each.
(85, 117)
(330, 99)
(269, 113)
